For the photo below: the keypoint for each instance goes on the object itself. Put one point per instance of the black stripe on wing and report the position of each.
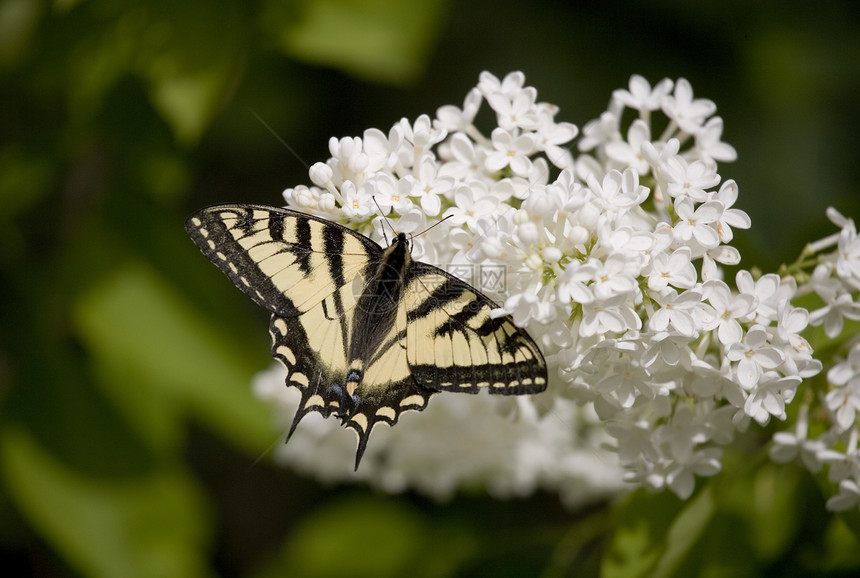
(243, 240)
(485, 352)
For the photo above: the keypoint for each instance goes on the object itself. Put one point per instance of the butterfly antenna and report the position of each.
(437, 223)
(267, 451)
(277, 136)
(385, 219)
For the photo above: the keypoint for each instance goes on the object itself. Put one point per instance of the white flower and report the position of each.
(381, 151)
(622, 387)
(681, 477)
(321, 175)
(770, 396)
(848, 260)
(696, 223)
(599, 131)
(671, 349)
(389, 194)
(682, 434)
(753, 356)
(798, 353)
(709, 146)
(677, 310)
(787, 447)
(690, 180)
(465, 159)
(844, 402)
(674, 269)
(453, 119)
(769, 291)
(730, 310)
(847, 498)
(824, 283)
(618, 191)
(634, 439)
(428, 186)
(721, 254)
(572, 287)
(358, 202)
(846, 370)
(630, 243)
(609, 245)
(515, 111)
(422, 134)
(844, 464)
(524, 307)
(302, 196)
(510, 151)
(611, 315)
(688, 113)
(471, 201)
(629, 152)
(610, 277)
(659, 153)
(834, 314)
(550, 137)
(348, 162)
(712, 382)
(727, 196)
(640, 96)
(509, 86)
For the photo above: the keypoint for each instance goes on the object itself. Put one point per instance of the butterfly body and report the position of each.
(365, 333)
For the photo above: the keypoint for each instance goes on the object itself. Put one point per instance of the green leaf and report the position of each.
(840, 552)
(382, 40)
(773, 516)
(686, 530)
(159, 360)
(18, 24)
(639, 540)
(187, 97)
(26, 177)
(188, 53)
(358, 537)
(655, 533)
(151, 525)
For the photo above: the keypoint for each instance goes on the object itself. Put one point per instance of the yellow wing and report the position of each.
(286, 261)
(453, 344)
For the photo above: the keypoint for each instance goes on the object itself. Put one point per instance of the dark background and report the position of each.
(128, 433)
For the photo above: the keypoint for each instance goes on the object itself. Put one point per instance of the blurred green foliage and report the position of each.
(128, 433)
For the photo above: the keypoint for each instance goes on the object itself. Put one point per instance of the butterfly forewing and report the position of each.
(364, 333)
(454, 344)
(287, 262)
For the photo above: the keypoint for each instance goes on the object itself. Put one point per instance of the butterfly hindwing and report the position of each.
(364, 333)
(386, 389)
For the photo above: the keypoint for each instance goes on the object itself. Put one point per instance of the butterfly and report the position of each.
(365, 333)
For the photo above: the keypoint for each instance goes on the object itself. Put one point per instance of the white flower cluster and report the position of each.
(835, 280)
(612, 262)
